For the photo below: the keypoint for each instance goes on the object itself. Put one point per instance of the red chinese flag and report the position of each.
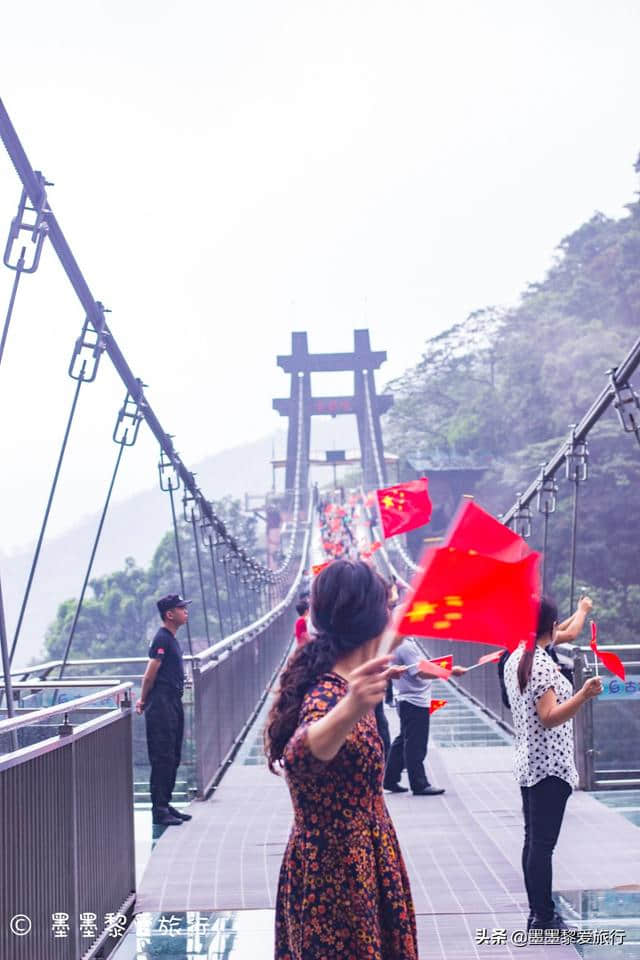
(611, 660)
(464, 595)
(317, 567)
(490, 657)
(473, 528)
(436, 705)
(433, 669)
(445, 662)
(404, 507)
(375, 546)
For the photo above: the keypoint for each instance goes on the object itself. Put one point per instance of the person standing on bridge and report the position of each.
(161, 702)
(542, 707)
(343, 890)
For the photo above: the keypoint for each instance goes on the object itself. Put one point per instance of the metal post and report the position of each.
(545, 538)
(574, 538)
(6, 669)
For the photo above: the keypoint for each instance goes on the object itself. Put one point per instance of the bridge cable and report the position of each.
(123, 436)
(196, 544)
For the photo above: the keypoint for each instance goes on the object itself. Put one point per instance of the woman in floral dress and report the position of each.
(343, 891)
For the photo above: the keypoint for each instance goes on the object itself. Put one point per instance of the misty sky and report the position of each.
(228, 172)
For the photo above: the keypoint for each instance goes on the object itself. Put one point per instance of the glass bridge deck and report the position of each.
(209, 887)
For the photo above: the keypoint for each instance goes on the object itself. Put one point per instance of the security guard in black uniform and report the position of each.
(161, 702)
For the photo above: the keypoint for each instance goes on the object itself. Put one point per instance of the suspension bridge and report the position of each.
(84, 872)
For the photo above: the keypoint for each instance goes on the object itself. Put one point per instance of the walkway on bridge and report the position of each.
(462, 851)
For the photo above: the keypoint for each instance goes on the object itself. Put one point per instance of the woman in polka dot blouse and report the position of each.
(543, 705)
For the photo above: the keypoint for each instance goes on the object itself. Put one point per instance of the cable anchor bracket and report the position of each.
(130, 416)
(626, 403)
(37, 228)
(89, 347)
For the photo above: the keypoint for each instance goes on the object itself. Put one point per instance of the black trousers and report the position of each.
(409, 749)
(383, 728)
(543, 806)
(165, 729)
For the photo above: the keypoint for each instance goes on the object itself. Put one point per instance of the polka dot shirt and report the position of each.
(540, 752)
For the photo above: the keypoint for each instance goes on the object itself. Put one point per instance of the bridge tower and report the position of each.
(300, 406)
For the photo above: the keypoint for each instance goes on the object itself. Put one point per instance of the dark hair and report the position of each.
(348, 608)
(547, 617)
(301, 607)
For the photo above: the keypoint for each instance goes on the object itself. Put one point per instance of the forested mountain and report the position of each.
(502, 387)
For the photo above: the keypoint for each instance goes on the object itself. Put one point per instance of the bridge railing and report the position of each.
(231, 678)
(66, 830)
(225, 687)
(608, 727)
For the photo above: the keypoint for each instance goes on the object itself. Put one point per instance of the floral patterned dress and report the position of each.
(344, 891)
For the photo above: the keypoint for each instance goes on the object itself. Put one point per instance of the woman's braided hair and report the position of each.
(348, 608)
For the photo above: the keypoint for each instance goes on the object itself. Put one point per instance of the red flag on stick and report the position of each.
(433, 669)
(375, 546)
(474, 529)
(317, 567)
(611, 660)
(436, 705)
(490, 658)
(445, 662)
(469, 596)
(404, 507)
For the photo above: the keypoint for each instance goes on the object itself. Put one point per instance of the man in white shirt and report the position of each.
(409, 749)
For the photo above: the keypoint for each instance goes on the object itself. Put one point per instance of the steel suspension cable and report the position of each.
(176, 535)
(92, 557)
(45, 520)
(12, 299)
(200, 577)
(379, 473)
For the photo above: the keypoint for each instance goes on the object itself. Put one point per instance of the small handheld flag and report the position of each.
(317, 567)
(611, 660)
(432, 669)
(436, 705)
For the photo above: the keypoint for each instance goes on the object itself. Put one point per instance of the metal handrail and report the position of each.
(582, 429)
(61, 708)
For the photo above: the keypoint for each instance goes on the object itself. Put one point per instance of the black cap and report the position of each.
(170, 602)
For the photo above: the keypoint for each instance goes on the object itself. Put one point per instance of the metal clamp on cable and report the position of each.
(129, 419)
(38, 229)
(576, 458)
(190, 506)
(168, 473)
(88, 348)
(522, 518)
(626, 403)
(547, 499)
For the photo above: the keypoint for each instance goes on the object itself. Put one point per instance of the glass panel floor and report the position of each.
(626, 802)
(608, 921)
(233, 935)
(607, 925)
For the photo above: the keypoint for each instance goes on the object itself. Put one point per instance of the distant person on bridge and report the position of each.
(542, 707)
(302, 623)
(161, 702)
(344, 890)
